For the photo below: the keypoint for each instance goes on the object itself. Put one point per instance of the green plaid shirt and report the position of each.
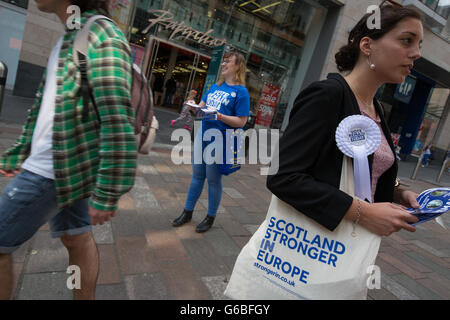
(89, 159)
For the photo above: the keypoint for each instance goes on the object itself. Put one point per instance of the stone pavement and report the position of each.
(143, 257)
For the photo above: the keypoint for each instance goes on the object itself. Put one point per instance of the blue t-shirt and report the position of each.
(228, 100)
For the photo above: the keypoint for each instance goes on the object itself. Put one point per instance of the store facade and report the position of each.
(417, 110)
(12, 25)
(288, 45)
(185, 40)
(414, 111)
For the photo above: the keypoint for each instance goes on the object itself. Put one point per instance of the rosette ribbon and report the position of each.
(357, 137)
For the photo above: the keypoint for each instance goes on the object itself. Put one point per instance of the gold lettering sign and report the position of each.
(165, 19)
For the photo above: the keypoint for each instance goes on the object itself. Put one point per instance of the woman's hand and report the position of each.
(406, 198)
(382, 218)
(386, 218)
(232, 121)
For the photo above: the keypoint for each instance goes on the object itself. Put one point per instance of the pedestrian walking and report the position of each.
(309, 159)
(186, 113)
(71, 171)
(171, 88)
(230, 98)
(426, 155)
(315, 182)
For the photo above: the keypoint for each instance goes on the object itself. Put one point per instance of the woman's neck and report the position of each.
(230, 81)
(364, 85)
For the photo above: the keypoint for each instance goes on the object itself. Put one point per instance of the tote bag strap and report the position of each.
(347, 183)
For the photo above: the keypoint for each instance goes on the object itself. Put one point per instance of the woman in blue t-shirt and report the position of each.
(231, 100)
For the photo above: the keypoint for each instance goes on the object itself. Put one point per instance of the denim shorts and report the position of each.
(28, 202)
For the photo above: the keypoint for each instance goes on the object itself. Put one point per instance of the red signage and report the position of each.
(267, 104)
(255, 58)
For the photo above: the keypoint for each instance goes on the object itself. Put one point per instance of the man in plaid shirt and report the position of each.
(72, 172)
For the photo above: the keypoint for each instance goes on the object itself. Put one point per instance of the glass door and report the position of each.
(197, 79)
(174, 71)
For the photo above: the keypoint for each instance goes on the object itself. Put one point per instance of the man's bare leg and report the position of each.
(6, 276)
(83, 253)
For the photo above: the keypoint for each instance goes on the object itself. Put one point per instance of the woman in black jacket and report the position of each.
(309, 160)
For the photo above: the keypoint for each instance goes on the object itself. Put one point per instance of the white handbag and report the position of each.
(293, 257)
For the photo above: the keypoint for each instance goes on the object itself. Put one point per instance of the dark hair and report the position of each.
(390, 14)
(100, 5)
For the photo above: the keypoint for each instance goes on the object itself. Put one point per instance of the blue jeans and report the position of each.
(200, 172)
(426, 157)
(28, 202)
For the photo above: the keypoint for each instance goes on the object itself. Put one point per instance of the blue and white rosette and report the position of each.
(357, 137)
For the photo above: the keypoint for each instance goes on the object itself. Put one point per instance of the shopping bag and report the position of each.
(293, 257)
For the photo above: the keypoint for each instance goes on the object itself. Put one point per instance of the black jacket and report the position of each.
(310, 162)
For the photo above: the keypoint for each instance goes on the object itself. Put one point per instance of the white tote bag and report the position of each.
(293, 257)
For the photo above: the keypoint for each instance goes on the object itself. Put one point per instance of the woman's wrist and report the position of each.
(354, 212)
(357, 213)
(366, 208)
(219, 116)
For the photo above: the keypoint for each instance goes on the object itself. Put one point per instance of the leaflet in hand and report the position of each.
(210, 116)
(205, 110)
(209, 110)
(433, 203)
(190, 104)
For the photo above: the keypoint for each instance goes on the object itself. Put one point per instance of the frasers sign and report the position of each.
(166, 19)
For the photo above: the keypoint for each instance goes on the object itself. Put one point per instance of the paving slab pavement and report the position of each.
(143, 257)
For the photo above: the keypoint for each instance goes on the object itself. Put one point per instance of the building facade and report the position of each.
(12, 24)
(184, 40)
(287, 44)
(421, 115)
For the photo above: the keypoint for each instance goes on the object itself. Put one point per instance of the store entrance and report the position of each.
(175, 70)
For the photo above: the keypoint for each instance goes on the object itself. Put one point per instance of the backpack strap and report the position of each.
(80, 54)
(142, 87)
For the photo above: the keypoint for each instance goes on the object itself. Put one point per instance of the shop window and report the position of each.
(19, 3)
(432, 118)
(431, 3)
(271, 35)
(443, 9)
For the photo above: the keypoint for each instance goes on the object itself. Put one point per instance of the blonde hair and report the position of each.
(239, 77)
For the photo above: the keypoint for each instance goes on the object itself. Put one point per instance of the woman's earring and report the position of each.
(371, 65)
